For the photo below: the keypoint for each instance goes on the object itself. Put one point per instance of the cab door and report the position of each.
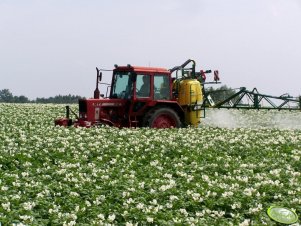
(143, 91)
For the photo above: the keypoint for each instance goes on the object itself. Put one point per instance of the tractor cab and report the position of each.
(140, 83)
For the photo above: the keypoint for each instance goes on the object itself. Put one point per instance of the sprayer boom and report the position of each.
(245, 99)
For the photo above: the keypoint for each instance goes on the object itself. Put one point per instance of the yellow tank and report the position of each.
(190, 98)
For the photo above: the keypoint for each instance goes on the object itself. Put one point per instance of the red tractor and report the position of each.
(144, 97)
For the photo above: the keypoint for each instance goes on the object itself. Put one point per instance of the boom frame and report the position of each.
(255, 101)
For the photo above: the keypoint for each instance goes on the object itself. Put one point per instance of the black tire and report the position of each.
(162, 117)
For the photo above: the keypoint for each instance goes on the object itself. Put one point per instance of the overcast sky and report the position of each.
(50, 47)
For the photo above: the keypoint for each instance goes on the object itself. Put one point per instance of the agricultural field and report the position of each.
(227, 172)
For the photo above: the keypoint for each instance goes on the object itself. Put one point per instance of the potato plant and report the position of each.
(108, 176)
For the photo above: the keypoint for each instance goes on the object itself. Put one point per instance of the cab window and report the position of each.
(143, 86)
(122, 85)
(161, 87)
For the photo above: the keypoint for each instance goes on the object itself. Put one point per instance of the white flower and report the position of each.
(173, 197)
(130, 224)
(184, 212)
(154, 202)
(101, 216)
(249, 191)
(199, 214)
(18, 224)
(40, 195)
(140, 206)
(141, 185)
(4, 188)
(150, 219)
(125, 194)
(71, 223)
(113, 161)
(26, 217)
(197, 197)
(75, 194)
(152, 191)
(154, 163)
(88, 204)
(167, 175)
(256, 209)
(111, 217)
(105, 177)
(25, 174)
(169, 205)
(227, 194)
(205, 178)
(129, 201)
(28, 205)
(246, 222)
(6, 206)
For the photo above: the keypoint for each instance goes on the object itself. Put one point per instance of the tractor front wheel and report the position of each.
(162, 118)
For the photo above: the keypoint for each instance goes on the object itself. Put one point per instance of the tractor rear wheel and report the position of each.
(163, 117)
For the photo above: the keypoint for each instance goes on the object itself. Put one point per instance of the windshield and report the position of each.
(122, 85)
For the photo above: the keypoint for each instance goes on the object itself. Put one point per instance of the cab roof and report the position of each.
(142, 69)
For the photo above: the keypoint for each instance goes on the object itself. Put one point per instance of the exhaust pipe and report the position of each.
(98, 79)
(67, 112)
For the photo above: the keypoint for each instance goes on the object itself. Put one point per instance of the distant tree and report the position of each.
(6, 96)
(21, 99)
(219, 94)
(60, 99)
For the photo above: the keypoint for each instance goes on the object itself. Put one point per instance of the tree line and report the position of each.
(7, 97)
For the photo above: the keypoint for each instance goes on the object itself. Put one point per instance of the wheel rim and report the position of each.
(164, 121)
